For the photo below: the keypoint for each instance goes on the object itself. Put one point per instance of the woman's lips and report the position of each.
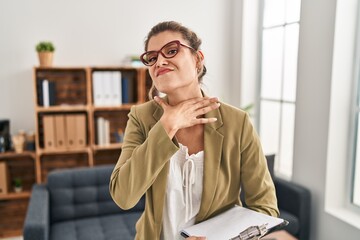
(163, 71)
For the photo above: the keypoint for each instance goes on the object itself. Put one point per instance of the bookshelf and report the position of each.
(13, 205)
(102, 96)
(66, 106)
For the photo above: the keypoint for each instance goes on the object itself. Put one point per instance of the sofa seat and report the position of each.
(108, 227)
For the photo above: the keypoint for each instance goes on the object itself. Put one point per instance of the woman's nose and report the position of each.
(161, 60)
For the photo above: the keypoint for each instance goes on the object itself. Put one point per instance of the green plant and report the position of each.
(17, 182)
(45, 47)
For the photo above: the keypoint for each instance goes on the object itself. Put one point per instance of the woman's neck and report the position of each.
(180, 96)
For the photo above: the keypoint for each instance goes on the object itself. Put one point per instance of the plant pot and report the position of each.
(46, 59)
(18, 189)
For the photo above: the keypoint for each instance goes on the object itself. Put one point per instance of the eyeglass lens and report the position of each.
(167, 51)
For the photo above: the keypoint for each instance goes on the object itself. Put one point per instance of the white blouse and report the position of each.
(183, 193)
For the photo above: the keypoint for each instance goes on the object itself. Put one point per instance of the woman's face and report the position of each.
(179, 73)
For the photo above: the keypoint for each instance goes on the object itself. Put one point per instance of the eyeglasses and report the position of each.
(169, 50)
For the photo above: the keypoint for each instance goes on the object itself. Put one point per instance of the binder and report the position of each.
(49, 132)
(236, 223)
(116, 88)
(98, 97)
(80, 126)
(4, 177)
(60, 131)
(107, 88)
(70, 120)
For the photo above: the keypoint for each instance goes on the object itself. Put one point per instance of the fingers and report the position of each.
(205, 105)
(196, 238)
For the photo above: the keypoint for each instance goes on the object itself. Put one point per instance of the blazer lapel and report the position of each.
(213, 141)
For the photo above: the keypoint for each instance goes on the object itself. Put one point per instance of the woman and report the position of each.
(187, 152)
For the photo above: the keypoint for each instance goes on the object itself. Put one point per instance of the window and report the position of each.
(356, 127)
(280, 34)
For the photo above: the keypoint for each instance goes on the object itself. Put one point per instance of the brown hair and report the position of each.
(190, 36)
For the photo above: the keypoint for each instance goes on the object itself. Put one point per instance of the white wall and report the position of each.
(95, 32)
(312, 115)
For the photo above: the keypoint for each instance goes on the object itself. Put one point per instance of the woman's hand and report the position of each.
(195, 238)
(186, 114)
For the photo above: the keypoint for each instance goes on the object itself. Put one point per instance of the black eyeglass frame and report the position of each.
(146, 63)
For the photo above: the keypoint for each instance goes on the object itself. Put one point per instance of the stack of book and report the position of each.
(110, 88)
(103, 131)
(47, 93)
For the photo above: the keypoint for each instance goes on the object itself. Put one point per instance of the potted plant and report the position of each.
(45, 51)
(17, 184)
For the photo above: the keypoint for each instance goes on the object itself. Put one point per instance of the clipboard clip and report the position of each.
(252, 233)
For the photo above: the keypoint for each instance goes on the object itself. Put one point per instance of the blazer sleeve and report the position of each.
(144, 154)
(256, 181)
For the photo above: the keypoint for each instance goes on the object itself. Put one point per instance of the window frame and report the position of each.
(281, 101)
(344, 83)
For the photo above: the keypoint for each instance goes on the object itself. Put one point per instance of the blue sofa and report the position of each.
(75, 204)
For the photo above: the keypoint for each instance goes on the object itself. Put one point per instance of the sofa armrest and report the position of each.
(294, 199)
(36, 225)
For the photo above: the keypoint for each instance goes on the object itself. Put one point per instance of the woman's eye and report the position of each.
(152, 59)
(172, 52)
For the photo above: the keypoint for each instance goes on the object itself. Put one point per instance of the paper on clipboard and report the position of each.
(230, 223)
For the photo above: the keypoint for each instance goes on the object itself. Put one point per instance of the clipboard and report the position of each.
(237, 223)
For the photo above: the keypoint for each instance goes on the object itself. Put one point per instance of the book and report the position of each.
(48, 93)
(236, 220)
(52, 93)
(103, 129)
(125, 90)
(45, 91)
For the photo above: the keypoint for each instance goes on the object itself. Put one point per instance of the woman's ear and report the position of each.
(200, 55)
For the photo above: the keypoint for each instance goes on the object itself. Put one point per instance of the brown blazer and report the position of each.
(233, 156)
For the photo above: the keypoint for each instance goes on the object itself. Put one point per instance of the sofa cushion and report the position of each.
(82, 192)
(294, 226)
(109, 227)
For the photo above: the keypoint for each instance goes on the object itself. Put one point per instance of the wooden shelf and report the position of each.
(112, 108)
(7, 155)
(111, 146)
(14, 195)
(63, 151)
(61, 109)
